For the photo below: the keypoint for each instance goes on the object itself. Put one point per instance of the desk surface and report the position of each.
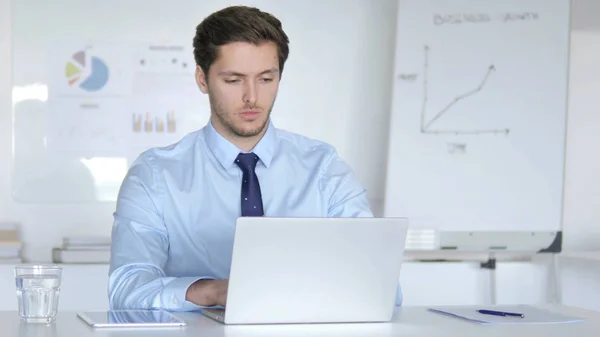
(408, 321)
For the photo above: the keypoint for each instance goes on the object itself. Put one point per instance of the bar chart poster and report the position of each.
(154, 123)
(166, 103)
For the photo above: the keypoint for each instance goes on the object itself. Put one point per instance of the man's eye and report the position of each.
(231, 81)
(266, 80)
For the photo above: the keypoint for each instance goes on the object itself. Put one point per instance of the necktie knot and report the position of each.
(247, 161)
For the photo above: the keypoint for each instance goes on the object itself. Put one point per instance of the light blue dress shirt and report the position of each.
(177, 207)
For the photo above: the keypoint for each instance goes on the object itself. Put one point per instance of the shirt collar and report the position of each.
(265, 149)
(226, 152)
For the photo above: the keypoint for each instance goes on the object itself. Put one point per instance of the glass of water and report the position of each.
(38, 288)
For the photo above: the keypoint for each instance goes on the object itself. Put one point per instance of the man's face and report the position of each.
(242, 86)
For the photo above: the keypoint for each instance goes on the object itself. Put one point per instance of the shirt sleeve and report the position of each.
(346, 197)
(140, 246)
(399, 297)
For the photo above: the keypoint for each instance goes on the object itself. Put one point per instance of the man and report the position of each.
(176, 211)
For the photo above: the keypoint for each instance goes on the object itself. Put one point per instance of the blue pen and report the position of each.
(500, 313)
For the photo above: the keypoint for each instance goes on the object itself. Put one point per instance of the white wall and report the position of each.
(41, 223)
(424, 283)
(5, 111)
(580, 280)
(581, 221)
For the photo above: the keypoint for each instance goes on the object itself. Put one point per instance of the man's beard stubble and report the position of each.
(222, 115)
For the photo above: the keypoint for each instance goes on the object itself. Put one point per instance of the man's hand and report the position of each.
(208, 292)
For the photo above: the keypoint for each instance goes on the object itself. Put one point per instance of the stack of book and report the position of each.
(82, 250)
(10, 244)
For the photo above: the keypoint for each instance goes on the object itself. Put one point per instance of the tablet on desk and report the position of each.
(130, 319)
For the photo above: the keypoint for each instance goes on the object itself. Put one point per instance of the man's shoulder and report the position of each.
(163, 155)
(304, 145)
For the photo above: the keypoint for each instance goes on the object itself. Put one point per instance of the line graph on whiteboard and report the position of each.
(428, 124)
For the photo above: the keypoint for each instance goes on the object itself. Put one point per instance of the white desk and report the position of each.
(409, 321)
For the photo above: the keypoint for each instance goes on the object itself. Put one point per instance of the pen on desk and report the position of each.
(500, 313)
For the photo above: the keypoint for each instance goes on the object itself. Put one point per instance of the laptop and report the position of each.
(313, 270)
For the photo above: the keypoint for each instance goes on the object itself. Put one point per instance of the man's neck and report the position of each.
(243, 143)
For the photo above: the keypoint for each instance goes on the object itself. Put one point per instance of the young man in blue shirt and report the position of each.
(176, 210)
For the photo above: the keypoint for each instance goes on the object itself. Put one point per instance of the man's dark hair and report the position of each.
(237, 24)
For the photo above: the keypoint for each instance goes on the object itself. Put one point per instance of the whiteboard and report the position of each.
(477, 130)
(77, 130)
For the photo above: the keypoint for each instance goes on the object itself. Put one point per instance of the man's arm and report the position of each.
(346, 196)
(140, 248)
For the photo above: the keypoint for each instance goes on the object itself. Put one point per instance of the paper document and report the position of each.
(531, 315)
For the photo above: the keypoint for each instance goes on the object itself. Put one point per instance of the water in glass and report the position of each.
(37, 296)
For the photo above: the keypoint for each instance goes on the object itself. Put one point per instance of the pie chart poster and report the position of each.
(92, 70)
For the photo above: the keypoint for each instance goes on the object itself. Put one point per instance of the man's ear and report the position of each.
(201, 80)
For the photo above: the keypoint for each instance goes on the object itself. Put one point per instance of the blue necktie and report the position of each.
(251, 197)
